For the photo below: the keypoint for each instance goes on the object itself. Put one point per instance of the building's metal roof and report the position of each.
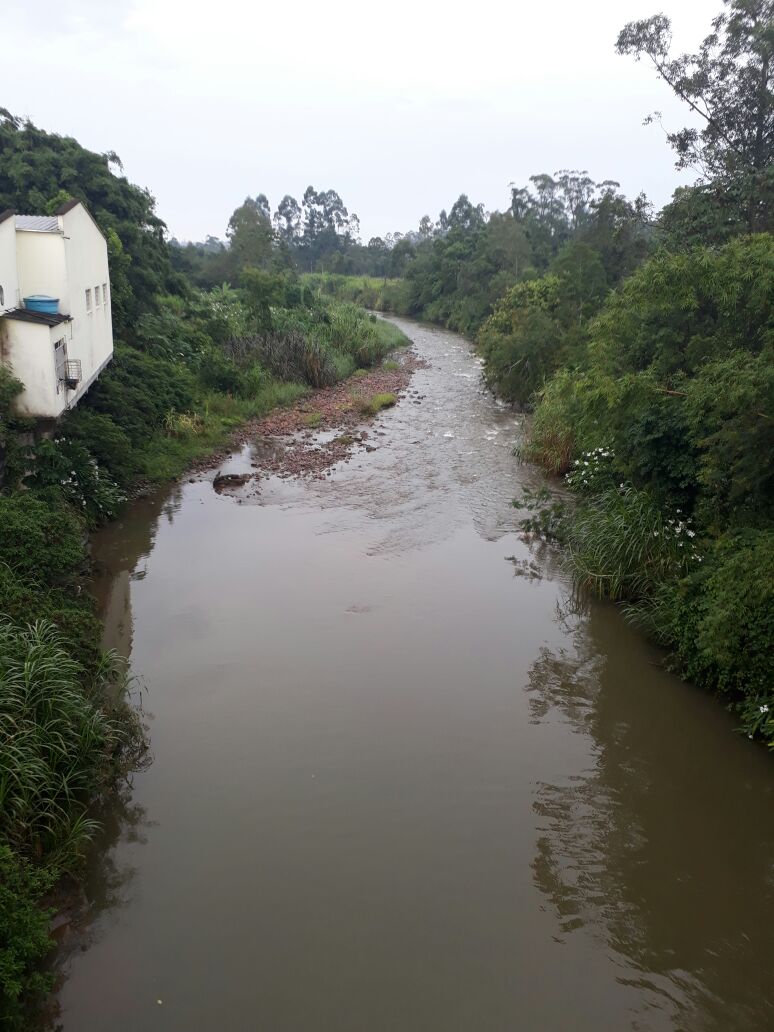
(38, 223)
(41, 318)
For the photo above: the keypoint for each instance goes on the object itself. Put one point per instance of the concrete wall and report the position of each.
(27, 349)
(40, 259)
(9, 279)
(86, 261)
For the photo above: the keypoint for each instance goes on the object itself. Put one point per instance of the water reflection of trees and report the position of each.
(663, 847)
(118, 551)
(106, 880)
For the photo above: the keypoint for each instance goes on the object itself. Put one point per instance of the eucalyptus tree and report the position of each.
(250, 233)
(727, 86)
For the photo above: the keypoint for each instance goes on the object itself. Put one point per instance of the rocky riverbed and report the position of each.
(322, 429)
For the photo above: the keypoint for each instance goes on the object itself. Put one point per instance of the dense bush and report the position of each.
(24, 937)
(720, 620)
(42, 554)
(137, 390)
(42, 540)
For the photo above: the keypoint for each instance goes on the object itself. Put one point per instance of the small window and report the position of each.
(88, 299)
(104, 293)
(60, 361)
(2, 296)
(97, 295)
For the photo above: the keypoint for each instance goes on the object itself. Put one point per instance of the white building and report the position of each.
(58, 354)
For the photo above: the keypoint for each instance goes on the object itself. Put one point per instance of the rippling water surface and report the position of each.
(401, 782)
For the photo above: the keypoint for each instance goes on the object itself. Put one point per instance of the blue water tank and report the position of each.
(42, 303)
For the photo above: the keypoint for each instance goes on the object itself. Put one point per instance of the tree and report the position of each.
(287, 220)
(328, 228)
(728, 87)
(250, 233)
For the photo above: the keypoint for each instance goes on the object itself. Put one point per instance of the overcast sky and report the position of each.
(399, 107)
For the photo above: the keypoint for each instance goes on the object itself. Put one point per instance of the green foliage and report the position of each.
(24, 938)
(621, 546)
(720, 619)
(68, 465)
(678, 379)
(522, 341)
(56, 739)
(42, 539)
(263, 291)
(729, 415)
(12, 459)
(137, 391)
(375, 294)
(105, 441)
(42, 552)
(728, 85)
(370, 406)
(681, 310)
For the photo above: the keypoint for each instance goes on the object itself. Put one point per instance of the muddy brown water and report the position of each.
(401, 782)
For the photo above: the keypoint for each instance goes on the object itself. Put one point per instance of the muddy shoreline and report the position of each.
(308, 438)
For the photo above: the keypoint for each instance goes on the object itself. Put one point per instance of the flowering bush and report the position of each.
(593, 471)
(758, 718)
(69, 466)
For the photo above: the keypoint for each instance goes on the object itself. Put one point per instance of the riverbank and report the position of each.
(301, 439)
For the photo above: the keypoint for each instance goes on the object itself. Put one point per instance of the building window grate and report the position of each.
(72, 372)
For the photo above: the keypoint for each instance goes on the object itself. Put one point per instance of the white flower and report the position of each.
(655, 533)
(764, 709)
(691, 533)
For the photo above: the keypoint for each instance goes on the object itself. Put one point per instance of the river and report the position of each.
(402, 781)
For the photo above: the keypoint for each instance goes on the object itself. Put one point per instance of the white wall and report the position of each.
(40, 259)
(9, 279)
(27, 349)
(86, 261)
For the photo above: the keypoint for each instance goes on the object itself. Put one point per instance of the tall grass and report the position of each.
(620, 546)
(61, 745)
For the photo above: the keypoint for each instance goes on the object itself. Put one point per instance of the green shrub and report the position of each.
(370, 406)
(218, 373)
(104, 440)
(24, 938)
(67, 466)
(138, 390)
(721, 618)
(42, 541)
